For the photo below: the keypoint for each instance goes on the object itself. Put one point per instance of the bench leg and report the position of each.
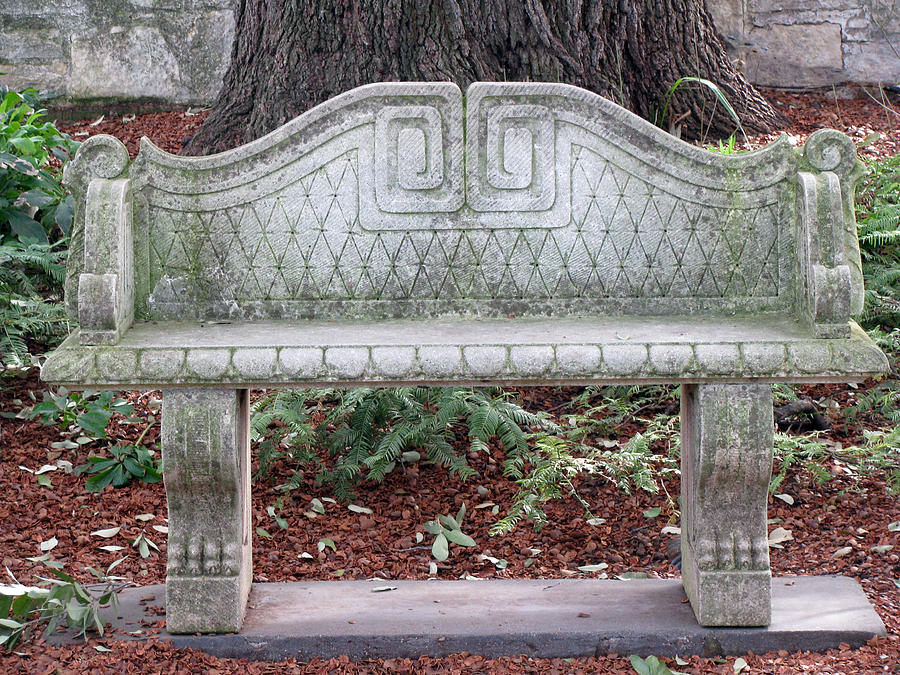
(206, 458)
(726, 462)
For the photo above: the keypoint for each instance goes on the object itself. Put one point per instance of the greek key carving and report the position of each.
(417, 165)
(515, 146)
(515, 162)
(409, 160)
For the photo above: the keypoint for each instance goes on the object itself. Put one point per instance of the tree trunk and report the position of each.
(289, 55)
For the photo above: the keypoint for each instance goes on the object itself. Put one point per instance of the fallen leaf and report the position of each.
(359, 509)
(49, 544)
(779, 535)
(107, 533)
(440, 549)
(787, 499)
(841, 552)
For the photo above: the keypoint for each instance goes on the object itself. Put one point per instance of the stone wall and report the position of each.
(812, 43)
(173, 51)
(176, 51)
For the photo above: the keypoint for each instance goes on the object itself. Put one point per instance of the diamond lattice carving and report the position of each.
(626, 239)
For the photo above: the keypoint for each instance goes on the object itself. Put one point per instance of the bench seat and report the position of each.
(621, 349)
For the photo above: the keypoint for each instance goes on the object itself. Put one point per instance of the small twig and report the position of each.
(886, 107)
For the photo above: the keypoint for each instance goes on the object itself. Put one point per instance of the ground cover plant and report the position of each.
(878, 212)
(34, 206)
(338, 499)
(35, 218)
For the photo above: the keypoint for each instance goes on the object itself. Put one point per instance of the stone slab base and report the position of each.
(731, 598)
(542, 618)
(206, 604)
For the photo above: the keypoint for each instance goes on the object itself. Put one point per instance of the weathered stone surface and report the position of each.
(341, 239)
(501, 350)
(811, 44)
(88, 49)
(540, 618)
(106, 287)
(538, 234)
(726, 462)
(206, 456)
(807, 54)
(592, 231)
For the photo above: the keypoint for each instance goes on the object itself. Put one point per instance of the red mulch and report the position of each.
(847, 511)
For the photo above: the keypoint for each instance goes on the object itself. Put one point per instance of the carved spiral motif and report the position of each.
(99, 156)
(830, 150)
(514, 147)
(419, 160)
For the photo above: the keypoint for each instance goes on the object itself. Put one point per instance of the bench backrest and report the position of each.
(399, 200)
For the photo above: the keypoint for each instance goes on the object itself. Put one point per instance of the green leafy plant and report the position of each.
(651, 666)
(56, 599)
(448, 530)
(31, 277)
(726, 148)
(126, 463)
(34, 205)
(662, 117)
(90, 411)
(367, 433)
(144, 544)
(879, 454)
(883, 398)
(878, 220)
(558, 455)
(807, 450)
(280, 428)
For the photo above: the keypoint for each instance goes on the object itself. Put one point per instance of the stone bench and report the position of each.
(392, 236)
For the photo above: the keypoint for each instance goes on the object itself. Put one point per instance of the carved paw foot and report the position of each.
(200, 555)
(727, 549)
(706, 553)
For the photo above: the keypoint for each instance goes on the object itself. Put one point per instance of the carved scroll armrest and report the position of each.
(830, 267)
(106, 283)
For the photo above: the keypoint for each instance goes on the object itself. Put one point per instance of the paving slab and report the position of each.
(541, 618)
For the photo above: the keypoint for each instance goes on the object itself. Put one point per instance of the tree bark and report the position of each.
(289, 55)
